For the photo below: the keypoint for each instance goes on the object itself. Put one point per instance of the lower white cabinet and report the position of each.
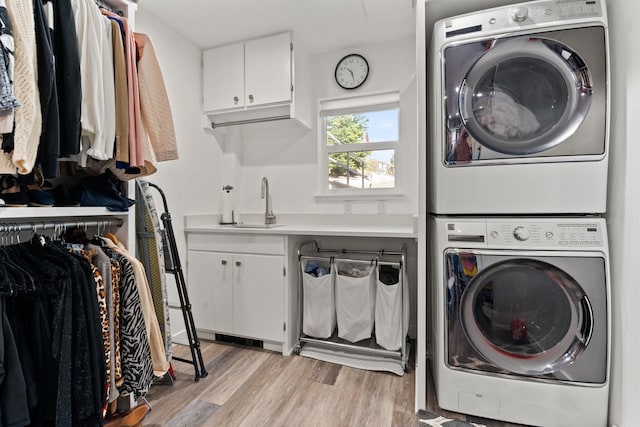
(239, 294)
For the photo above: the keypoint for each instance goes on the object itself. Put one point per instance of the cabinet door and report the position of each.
(258, 296)
(223, 77)
(210, 290)
(268, 70)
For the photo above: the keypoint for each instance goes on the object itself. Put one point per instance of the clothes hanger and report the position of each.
(109, 235)
(112, 237)
(6, 284)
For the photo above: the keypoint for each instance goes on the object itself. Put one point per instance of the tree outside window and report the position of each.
(349, 166)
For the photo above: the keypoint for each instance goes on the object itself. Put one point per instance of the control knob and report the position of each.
(521, 233)
(520, 13)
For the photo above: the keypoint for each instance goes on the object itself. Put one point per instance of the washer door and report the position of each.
(526, 316)
(525, 95)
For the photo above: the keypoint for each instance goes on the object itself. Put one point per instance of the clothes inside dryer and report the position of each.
(525, 96)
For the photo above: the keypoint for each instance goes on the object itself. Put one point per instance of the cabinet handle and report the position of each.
(235, 100)
(224, 262)
(250, 98)
(238, 263)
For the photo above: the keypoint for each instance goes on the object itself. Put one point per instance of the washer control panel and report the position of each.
(561, 234)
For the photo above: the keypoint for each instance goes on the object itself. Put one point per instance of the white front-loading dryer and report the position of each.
(520, 105)
(519, 318)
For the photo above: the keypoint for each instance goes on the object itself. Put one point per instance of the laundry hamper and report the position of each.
(392, 307)
(355, 300)
(318, 301)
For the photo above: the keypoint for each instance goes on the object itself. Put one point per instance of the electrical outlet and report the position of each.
(382, 207)
(347, 207)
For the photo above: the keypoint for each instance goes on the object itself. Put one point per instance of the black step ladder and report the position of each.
(172, 265)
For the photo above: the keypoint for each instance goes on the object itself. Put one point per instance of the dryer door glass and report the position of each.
(540, 97)
(525, 95)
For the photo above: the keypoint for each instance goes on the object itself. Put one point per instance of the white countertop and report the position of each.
(402, 226)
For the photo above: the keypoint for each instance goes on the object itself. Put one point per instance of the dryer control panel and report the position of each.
(524, 15)
(559, 234)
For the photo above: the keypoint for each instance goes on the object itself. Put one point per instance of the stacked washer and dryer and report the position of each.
(519, 269)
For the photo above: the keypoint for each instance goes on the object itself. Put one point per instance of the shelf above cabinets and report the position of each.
(255, 82)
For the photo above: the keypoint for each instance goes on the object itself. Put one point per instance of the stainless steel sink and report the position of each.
(245, 225)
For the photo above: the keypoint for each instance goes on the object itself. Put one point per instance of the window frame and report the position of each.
(355, 104)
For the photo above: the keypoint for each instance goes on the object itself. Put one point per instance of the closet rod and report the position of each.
(356, 251)
(350, 260)
(249, 121)
(52, 225)
(101, 3)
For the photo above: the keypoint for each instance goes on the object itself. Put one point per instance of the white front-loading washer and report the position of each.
(519, 318)
(520, 104)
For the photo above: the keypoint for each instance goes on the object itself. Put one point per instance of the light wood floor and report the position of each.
(252, 387)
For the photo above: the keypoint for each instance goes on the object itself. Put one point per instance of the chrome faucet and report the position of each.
(269, 217)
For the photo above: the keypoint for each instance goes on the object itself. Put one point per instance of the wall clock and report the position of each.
(352, 71)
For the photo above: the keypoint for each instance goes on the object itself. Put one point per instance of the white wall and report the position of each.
(624, 213)
(191, 183)
(292, 166)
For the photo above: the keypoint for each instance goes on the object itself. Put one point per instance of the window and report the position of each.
(359, 142)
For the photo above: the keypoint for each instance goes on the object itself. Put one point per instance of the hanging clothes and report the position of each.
(137, 368)
(121, 94)
(8, 100)
(57, 349)
(49, 145)
(68, 80)
(27, 118)
(13, 400)
(115, 283)
(103, 264)
(133, 338)
(95, 48)
(61, 349)
(103, 309)
(102, 149)
(154, 102)
(158, 356)
(136, 156)
(28, 312)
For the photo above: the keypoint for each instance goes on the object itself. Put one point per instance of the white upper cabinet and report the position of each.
(258, 80)
(267, 70)
(223, 82)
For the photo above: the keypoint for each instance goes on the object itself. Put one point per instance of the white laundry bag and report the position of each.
(392, 308)
(355, 300)
(318, 296)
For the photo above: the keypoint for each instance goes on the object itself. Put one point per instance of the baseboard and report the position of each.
(180, 337)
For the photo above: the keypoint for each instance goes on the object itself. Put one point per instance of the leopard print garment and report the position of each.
(115, 283)
(102, 307)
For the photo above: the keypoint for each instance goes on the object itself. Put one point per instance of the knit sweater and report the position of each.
(28, 118)
(154, 102)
